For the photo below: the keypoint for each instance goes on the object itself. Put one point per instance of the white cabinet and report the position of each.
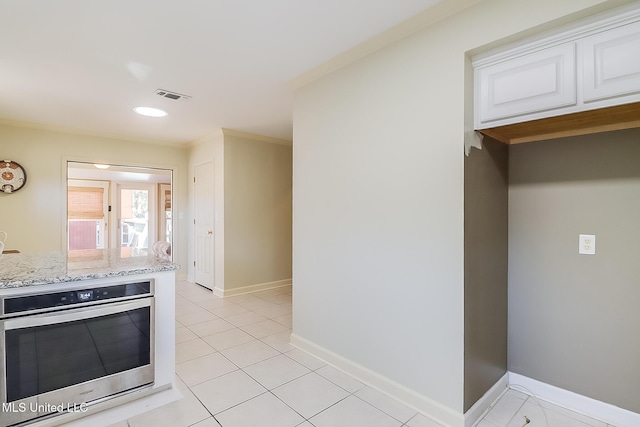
(611, 63)
(539, 81)
(590, 66)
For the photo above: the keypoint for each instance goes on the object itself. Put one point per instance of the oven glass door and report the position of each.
(49, 352)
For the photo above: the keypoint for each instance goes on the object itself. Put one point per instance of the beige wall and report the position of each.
(573, 319)
(257, 212)
(35, 216)
(378, 205)
(252, 186)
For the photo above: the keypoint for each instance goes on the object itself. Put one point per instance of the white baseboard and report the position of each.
(602, 411)
(251, 288)
(444, 415)
(428, 407)
(492, 395)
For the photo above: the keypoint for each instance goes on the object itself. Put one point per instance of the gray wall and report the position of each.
(573, 319)
(257, 212)
(485, 268)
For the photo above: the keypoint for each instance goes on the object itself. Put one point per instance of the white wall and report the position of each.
(35, 216)
(378, 205)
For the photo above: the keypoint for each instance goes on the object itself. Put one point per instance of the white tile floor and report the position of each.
(235, 368)
(513, 407)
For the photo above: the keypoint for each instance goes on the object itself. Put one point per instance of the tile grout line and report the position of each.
(279, 353)
(280, 385)
(239, 368)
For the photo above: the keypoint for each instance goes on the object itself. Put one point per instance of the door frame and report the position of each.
(213, 225)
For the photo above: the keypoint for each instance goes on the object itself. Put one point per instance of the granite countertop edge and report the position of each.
(88, 276)
(46, 268)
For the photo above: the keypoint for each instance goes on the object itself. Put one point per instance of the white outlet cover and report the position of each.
(587, 244)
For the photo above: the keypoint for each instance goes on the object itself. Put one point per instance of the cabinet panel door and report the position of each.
(611, 63)
(532, 83)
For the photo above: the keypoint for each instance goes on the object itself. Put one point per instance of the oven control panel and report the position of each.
(39, 302)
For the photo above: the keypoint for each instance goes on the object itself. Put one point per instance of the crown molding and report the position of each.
(216, 133)
(75, 131)
(571, 32)
(424, 19)
(256, 137)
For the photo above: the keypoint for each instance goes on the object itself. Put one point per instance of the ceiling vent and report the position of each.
(172, 95)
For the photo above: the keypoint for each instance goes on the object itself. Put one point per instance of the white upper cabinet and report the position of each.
(536, 82)
(587, 67)
(611, 63)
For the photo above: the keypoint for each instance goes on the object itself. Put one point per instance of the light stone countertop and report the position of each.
(41, 268)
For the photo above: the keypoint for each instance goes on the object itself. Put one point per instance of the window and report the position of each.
(86, 210)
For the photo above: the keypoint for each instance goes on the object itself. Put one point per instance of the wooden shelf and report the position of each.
(587, 122)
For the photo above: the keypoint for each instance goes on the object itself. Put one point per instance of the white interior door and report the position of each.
(203, 224)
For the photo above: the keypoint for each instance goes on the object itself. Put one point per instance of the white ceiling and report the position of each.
(85, 64)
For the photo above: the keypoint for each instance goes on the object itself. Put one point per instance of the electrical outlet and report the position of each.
(587, 244)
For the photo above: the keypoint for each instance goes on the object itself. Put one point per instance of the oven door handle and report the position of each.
(73, 314)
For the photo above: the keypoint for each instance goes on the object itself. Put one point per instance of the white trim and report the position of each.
(565, 34)
(256, 137)
(435, 12)
(179, 143)
(216, 133)
(486, 402)
(222, 293)
(602, 411)
(428, 407)
(596, 409)
(213, 282)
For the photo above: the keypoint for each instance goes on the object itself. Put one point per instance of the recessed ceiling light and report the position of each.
(150, 112)
(99, 166)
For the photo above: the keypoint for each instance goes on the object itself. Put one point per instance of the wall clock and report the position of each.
(12, 176)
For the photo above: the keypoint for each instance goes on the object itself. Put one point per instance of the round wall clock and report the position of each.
(12, 176)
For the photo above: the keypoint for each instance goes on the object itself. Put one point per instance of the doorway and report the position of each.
(204, 224)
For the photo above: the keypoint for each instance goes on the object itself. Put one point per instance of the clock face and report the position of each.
(12, 176)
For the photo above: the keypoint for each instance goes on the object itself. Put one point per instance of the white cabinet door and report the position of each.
(611, 63)
(532, 83)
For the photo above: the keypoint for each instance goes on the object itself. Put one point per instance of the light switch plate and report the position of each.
(587, 245)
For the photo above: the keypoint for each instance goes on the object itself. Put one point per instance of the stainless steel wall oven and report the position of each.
(63, 351)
